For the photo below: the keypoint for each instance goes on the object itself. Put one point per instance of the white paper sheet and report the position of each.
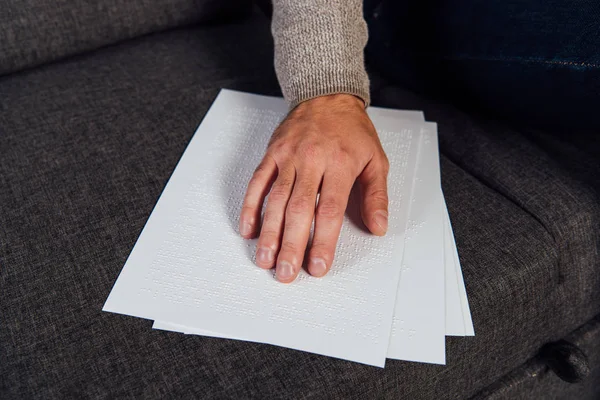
(458, 315)
(466, 312)
(190, 267)
(425, 348)
(418, 330)
(455, 318)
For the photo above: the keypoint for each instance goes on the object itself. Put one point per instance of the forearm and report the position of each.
(319, 48)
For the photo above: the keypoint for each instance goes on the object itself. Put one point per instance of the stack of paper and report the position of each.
(396, 296)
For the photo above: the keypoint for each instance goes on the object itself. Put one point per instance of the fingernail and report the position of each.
(317, 267)
(381, 219)
(245, 228)
(284, 271)
(264, 255)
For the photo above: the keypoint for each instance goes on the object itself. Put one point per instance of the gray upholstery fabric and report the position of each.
(555, 179)
(37, 31)
(87, 146)
(535, 380)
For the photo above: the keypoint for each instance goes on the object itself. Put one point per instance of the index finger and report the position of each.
(258, 188)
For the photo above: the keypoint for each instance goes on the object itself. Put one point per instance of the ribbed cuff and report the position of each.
(327, 83)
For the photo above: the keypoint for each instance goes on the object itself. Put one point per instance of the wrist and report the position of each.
(333, 100)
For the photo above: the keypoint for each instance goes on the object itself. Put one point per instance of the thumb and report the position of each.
(374, 194)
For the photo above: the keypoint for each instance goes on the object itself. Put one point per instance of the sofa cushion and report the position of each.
(37, 31)
(553, 177)
(87, 146)
(535, 379)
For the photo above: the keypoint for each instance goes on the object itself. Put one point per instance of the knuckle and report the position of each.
(385, 163)
(279, 148)
(259, 173)
(379, 195)
(329, 209)
(307, 188)
(256, 179)
(278, 194)
(278, 133)
(381, 163)
(341, 158)
(248, 210)
(271, 222)
(286, 181)
(268, 238)
(261, 168)
(301, 205)
(281, 189)
(289, 246)
(322, 250)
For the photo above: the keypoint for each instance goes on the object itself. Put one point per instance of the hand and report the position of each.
(324, 145)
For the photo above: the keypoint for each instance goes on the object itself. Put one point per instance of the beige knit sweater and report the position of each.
(319, 48)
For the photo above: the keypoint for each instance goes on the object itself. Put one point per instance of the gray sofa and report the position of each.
(98, 100)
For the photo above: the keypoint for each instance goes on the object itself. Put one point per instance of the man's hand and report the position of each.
(323, 145)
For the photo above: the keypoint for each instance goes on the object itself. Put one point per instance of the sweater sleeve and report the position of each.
(319, 48)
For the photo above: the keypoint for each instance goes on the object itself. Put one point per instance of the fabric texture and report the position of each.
(535, 380)
(318, 44)
(319, 48)
(87, 147)
(565, 201)
(33, 32)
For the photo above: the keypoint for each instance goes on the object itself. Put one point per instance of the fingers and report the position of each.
(298, 220)
(258, 188)
(272, 226)
(290, 211)
(333, 200)
(374, 206)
